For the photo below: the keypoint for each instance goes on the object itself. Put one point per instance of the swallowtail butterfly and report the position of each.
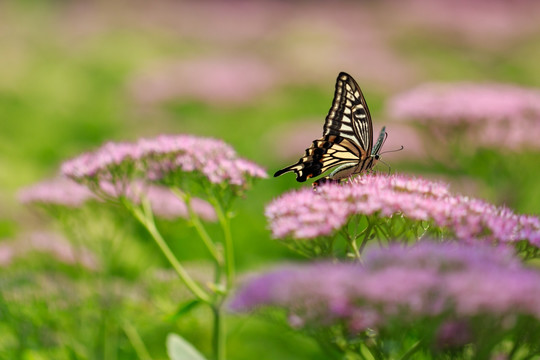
(347, 142)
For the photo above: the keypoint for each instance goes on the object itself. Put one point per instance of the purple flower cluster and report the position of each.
(306, 214)
(162, 157)
(59, 192)
(430, 280)
(493, 114)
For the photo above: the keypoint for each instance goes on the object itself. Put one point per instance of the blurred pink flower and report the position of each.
(306, 214)
(49, 243)
(167, 205)
(215, 81)
(337, 38)
(60, 192)
(489, 114)
(495, 25)
(434, 280)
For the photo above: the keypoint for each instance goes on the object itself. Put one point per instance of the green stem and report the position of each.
(296, 248)
(110, 345)
(514, 349)
(147, 220)
(366, 237)
(411, 351)
(356, 250)
(352, 243)
(136, 341)
(375, 351)
(199, 227)
(218, 338)
(225, 223)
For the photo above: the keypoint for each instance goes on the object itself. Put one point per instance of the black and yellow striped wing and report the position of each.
(349, 115)
(347, 137)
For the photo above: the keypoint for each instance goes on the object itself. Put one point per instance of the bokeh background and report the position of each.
(257, 74)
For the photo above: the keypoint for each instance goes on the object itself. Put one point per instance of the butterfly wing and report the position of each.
(349, 115)
(347, 136)
(324, 154)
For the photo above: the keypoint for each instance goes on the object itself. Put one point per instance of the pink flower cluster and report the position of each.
(49, 243)
(212, 80)
(492, 114)
(154, 159)
(306, 214)
(60, 192)
(426, 280)
(67, 193)
(167, 205)
(214, 159)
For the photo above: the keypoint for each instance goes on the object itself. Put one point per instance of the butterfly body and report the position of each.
(347, 141)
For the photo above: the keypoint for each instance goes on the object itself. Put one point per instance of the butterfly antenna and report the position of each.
(395, 150)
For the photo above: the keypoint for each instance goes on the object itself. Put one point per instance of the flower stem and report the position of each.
(146, 218)
(136, 341)
(375, 351)
(199, 227)
(218, 338)
(225, 222)
(356, 250)
(352, 243)
(366, 237)
(411, 351)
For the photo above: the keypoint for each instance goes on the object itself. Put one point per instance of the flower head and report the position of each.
(102, 164)
(215, 160)
(170, 159)
(56, 192)
(306, 214)
(440, 282)
(502, 114)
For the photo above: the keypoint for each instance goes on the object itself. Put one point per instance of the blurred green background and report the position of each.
(259, 75)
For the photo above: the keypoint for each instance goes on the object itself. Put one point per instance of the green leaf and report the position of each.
(180, 349)
(184, 308)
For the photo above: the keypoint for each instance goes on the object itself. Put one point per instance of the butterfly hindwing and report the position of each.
(325, 153)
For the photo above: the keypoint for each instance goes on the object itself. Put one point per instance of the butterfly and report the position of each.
(347, 142)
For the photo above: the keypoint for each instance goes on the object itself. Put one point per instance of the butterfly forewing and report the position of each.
(349, 115)
(347, 139)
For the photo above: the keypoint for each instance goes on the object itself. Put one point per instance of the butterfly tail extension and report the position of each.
(285, 170)
(303, 170)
